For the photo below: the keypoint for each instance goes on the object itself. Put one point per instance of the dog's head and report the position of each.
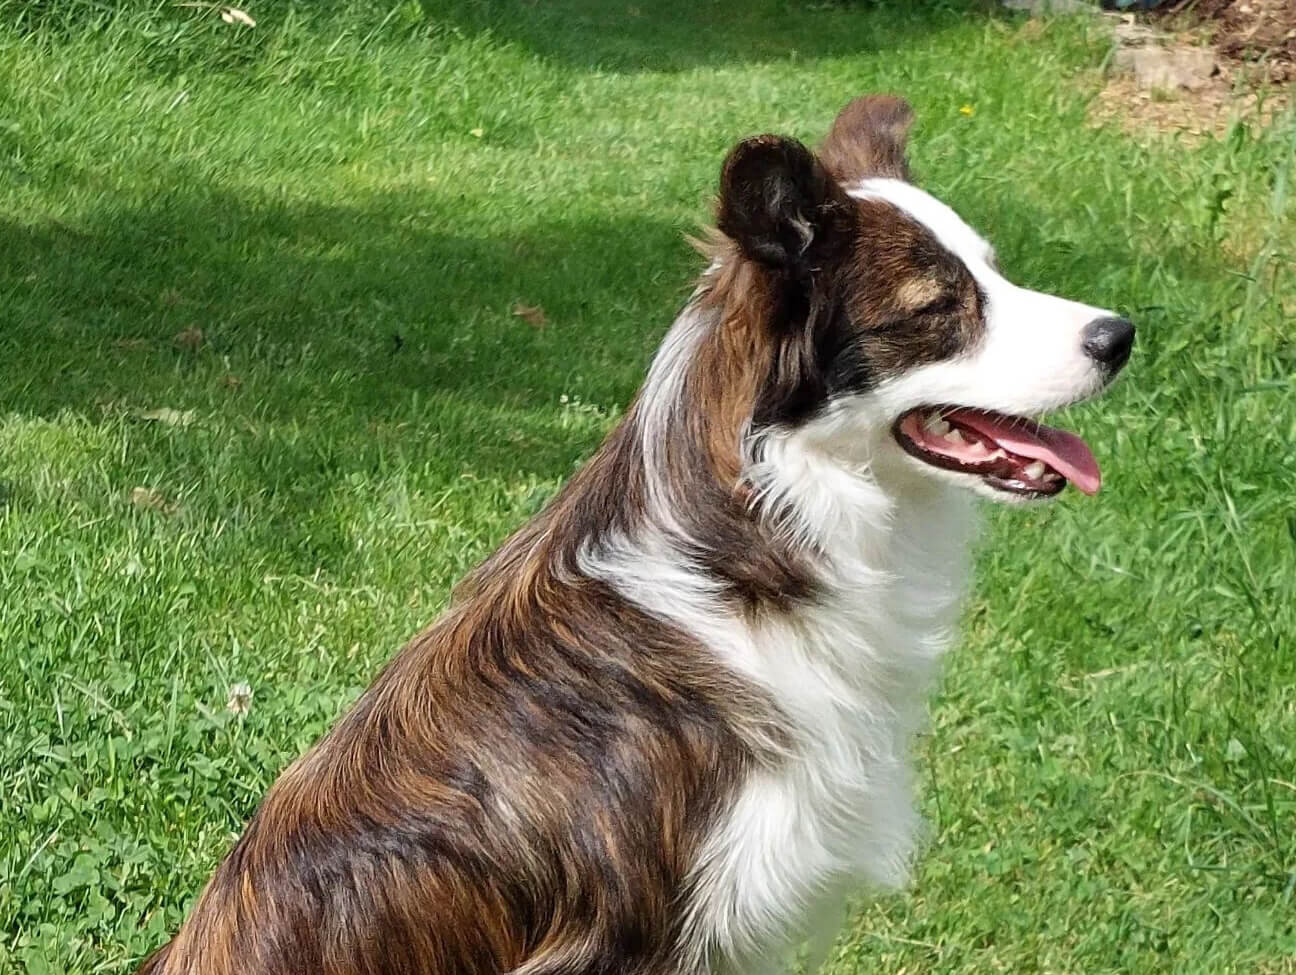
(896, 339)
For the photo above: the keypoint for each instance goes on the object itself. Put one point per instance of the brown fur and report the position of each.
(868, 139)
(909, 325)
(434, 829)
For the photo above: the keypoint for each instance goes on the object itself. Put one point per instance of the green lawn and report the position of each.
(263, 398)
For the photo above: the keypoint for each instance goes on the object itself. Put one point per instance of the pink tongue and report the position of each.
(1064, 452)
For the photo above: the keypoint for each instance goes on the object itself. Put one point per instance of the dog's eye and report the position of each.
(942, 303)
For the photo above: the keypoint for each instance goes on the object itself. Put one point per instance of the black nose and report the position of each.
(1108, 342)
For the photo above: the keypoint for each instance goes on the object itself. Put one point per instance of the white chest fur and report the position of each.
(851, 670)
(838, 814)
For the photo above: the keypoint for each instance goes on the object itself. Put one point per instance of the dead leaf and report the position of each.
(231, 381)
(153, 500)
(168, 416)
(476, 133)
(131, 344)
(233, 15)
(533, 315)
(190, 338)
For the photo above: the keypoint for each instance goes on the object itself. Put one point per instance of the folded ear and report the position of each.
(778, 203)
(868, 139)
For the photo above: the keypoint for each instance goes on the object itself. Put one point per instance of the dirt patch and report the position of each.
(1258, 32)
(1205, 112)
(1193, 70)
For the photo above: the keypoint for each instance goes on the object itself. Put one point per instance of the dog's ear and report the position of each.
(868, 139)
(779, 204)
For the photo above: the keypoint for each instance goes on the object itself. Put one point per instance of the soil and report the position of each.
(1254, 79)
(1191, 115)
(1254, 31)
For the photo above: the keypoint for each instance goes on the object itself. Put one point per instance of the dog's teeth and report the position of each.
(954, 436)
(935, 423)
(1034, 470)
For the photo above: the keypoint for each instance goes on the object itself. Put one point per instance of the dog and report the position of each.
(666, 727)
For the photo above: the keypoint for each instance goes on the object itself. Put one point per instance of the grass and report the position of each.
(263, 398)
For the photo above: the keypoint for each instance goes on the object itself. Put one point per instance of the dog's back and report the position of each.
(469, 814)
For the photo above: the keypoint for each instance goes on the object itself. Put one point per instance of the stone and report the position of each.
(1130, 33)
(1037, 8)
(1167, 67)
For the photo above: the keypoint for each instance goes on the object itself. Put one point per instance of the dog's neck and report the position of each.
(762, 521)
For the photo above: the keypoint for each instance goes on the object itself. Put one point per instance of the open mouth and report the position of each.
(1009, 453)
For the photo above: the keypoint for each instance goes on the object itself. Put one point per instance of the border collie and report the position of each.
(667, 726)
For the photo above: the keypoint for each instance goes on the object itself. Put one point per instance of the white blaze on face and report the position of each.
(1030, 358)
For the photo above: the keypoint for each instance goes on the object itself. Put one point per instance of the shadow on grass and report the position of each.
(317, 342)
(354, 305)
(613, 35)
(673, 35)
